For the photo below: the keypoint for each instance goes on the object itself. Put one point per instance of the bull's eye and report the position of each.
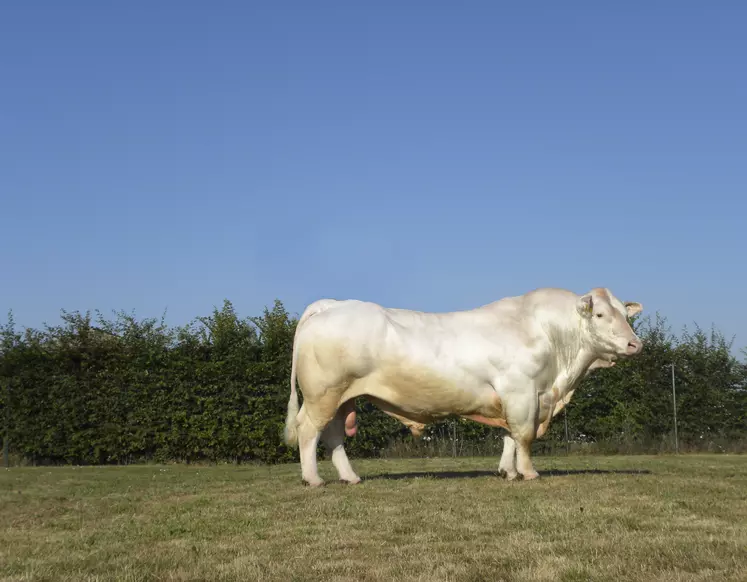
(600, 315)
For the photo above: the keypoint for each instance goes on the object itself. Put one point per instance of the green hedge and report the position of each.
(124, 390)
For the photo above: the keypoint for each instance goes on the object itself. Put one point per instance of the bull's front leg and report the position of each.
(523, 456)
(507, 464)
(521, 413)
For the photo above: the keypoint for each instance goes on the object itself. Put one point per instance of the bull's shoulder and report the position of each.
(545, 294)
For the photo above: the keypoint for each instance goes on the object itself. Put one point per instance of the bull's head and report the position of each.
(605, 320)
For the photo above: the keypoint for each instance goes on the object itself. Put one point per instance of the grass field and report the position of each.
(587, 518)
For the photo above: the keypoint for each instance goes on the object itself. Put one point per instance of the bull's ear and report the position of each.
(633, 308)
(585, 305)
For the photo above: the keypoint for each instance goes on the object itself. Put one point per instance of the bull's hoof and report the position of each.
(314, 483)
(350, 482)
(506, 475)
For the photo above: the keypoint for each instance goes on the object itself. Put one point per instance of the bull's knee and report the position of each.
(321, 412)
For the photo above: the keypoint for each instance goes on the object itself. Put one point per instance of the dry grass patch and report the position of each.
(588, 518)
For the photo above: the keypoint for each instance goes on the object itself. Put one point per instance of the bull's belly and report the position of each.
(395, 383)
(422, 396)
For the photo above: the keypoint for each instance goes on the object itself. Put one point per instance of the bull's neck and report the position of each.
(569, 350)
(572, 371)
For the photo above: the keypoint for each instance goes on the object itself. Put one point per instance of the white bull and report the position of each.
(513, 363)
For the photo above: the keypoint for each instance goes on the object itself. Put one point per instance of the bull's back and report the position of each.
(359, 336)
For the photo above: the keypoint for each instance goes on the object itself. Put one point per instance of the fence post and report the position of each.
(6, 429)
(674, 408)
(565, 420)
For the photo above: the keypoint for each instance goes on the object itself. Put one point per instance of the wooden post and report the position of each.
(6, 431)
(674, 407)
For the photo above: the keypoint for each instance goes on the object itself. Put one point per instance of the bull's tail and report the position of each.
(291, 426)
(291, 421)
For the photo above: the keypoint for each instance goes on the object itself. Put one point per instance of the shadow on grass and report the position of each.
(477, 474)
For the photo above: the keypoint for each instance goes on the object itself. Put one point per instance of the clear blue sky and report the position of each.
(427, 155)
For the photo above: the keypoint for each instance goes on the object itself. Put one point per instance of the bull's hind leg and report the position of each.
(334, 437)
(308, 438)
(313, 419)
(507, 465)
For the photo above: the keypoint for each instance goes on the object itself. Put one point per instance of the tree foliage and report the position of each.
(122, 390)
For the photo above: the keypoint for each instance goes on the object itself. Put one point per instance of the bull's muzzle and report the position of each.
(634, 347)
